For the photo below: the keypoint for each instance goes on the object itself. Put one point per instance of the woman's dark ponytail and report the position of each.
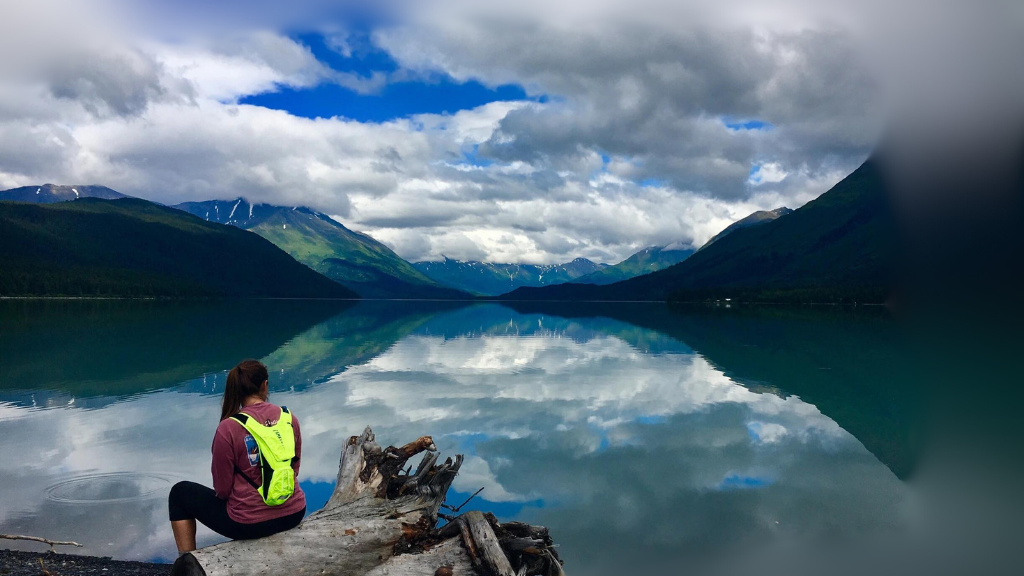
(243, 381)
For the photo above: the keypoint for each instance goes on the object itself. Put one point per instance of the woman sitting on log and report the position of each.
(255, 461)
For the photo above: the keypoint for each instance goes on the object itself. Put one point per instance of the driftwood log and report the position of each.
(380, 521)
(52, 543)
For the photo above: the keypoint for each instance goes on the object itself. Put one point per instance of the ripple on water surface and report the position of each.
(109, 487)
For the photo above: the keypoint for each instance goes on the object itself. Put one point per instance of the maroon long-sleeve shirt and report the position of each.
(234, 446)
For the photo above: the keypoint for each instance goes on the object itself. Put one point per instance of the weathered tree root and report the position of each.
(380, 521)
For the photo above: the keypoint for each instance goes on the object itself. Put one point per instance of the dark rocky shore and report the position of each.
(16, 563)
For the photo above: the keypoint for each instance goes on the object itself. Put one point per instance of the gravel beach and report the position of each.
(16, 563)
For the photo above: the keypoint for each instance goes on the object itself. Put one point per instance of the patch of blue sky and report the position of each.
(606, 159)
(503, 510)
(394, 101)
(317, 494)
(466, 442)
(653, 183)
(767, 172)
(754, 177)
(604, 443)
(651, 420)
(358, 55)
(742, 482)
(473, 158)
(400, 97)
(740, 125)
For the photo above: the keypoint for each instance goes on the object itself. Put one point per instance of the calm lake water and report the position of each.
(637, 433)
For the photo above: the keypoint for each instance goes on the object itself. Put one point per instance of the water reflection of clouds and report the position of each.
(541, 383)
(623, 443)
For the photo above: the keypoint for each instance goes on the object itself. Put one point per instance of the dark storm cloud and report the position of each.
(411, 220)
(122, 84)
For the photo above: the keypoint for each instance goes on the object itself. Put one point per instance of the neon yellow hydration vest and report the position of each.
(276, 445)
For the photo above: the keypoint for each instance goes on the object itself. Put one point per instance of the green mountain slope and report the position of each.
(643, 262)
(759, 217)
(349, 339)
(657, 258)
(51, 193)
(491, 279)
(840, 247)
(355, 260)
(131, 247)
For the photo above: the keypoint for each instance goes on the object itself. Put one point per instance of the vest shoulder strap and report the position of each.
(241, 418)
(246, 477)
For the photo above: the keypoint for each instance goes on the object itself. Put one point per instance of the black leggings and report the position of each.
(189, 501)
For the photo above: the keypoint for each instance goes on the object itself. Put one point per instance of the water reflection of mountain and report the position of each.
(569, 417)
(853, 365)
(352, 337)
(90, 353)
(55, 350)
(635, 459)
(370, 328)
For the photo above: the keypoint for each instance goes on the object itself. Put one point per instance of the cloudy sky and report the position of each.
(536, 133)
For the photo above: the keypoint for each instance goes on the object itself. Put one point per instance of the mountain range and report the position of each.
(130, 247)
(643, 262)
(840, 247)
(490, 279)
(52, 193)
(657, 258)
(355, 260)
